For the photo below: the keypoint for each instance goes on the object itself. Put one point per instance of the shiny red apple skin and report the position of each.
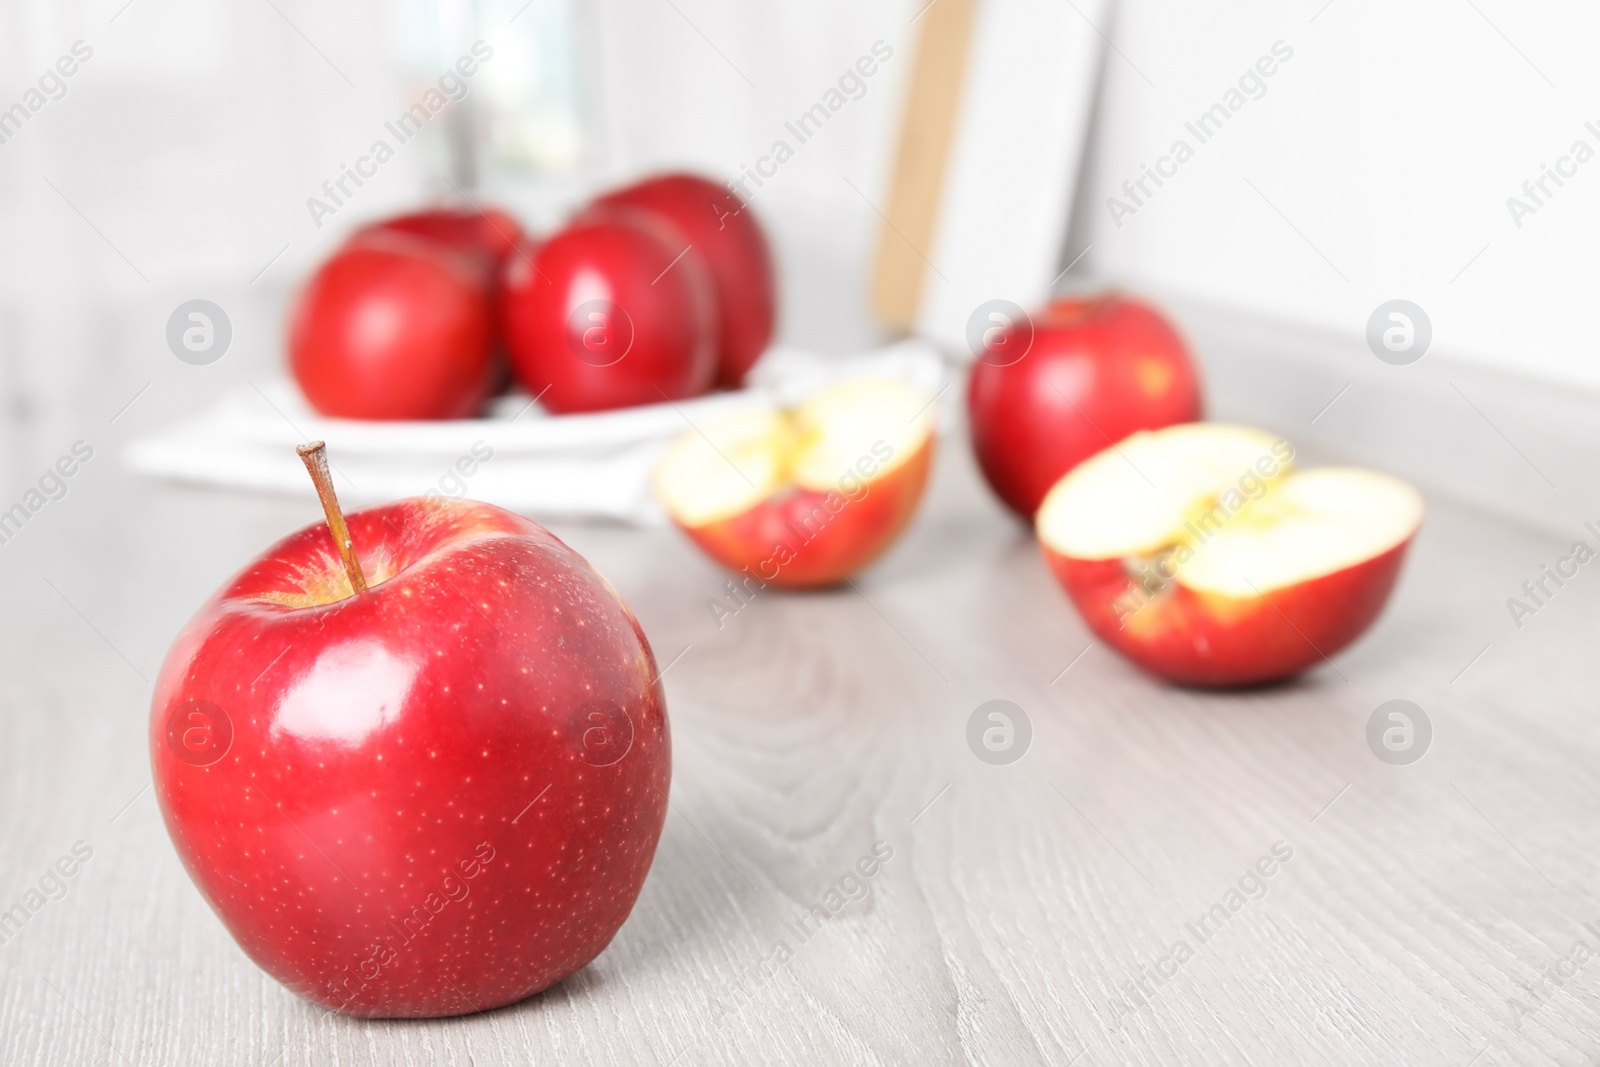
(652, 338)
(383, 745)
(394, 326)
(1098, 369)
(728, 235)
(824, 545)
(1204, 639)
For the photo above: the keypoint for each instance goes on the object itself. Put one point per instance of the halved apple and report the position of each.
(1198, 552)
(804, 497)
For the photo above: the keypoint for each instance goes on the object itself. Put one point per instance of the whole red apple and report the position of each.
(435, 796)
(610, 313)
(727, 234)
(1097, 369)
(394, 326)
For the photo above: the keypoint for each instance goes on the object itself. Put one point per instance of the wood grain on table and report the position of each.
(1029, 913)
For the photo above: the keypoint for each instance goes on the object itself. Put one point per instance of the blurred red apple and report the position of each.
(394, 326)
(610, 313)
(435, 796)
(491, 232)
(1096, 370)
(1201, 554)
(808, 497)
(726, 233)
(488, 234)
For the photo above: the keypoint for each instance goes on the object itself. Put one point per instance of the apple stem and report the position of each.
(315, 457)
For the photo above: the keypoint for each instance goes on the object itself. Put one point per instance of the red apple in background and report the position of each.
(491, 232)
(434, 796)
(489, 235)
(394, 326)
(809, 497)
(724, 230)
(1096, 370)
(1201, 554)
(610, 313)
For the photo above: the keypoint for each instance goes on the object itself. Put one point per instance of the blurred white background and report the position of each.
(1377, 164)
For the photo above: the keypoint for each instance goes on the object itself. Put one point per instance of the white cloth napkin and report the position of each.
(519, 456)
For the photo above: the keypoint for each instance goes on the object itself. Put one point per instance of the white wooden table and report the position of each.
(1021, 904)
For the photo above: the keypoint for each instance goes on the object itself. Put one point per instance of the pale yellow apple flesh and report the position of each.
(809, 496)
(1201, 553)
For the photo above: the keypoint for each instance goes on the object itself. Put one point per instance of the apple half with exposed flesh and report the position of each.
(805, 497)
(1201, 554)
